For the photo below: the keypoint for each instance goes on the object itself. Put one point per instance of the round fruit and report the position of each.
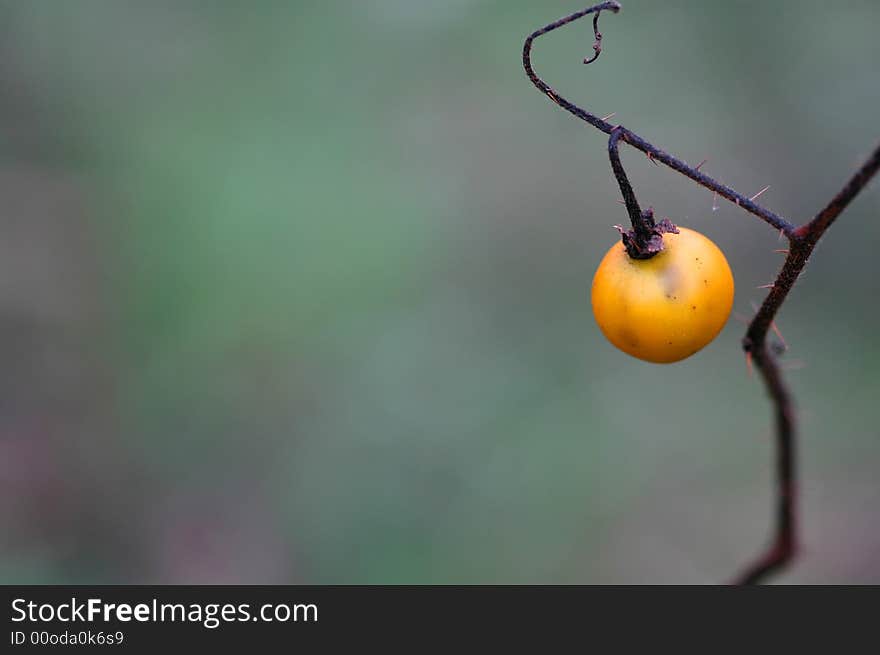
(668, 307)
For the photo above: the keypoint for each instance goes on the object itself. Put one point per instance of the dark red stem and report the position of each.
(801, 243)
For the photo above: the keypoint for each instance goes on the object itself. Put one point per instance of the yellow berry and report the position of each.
(668, 307)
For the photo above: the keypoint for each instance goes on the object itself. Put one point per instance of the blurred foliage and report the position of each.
(298, 292)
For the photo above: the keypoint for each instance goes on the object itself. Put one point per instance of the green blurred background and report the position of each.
(298, 292)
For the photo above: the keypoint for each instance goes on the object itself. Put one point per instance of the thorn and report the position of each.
(781, 234)
(714, 201)
(621, 201)
(760, 192)
(778, 334)
(552, 97)
(651, 157)
(766, 286)
(611, 115)
(749, 363)
(784, 251)
(700, 165)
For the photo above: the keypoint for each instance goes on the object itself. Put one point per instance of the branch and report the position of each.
(802, 241)
(813, 230)
(631, 138)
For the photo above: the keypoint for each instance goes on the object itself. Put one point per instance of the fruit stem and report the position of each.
(645, 239)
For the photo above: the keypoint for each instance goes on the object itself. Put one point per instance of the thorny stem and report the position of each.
(802, 240)
(633, 139)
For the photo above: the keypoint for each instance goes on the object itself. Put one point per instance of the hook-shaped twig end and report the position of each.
(597, 46)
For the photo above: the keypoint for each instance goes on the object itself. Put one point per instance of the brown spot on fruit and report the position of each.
(628, 336)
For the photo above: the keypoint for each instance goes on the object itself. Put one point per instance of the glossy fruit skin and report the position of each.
(668, 307)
